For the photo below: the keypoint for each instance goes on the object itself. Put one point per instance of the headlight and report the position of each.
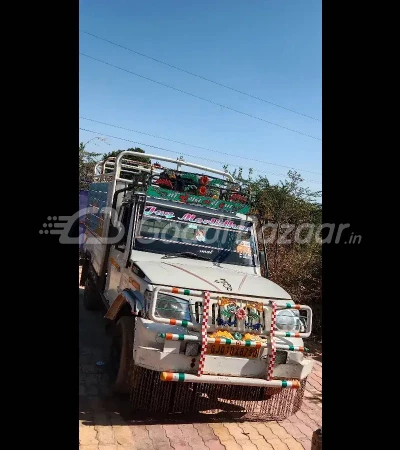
(170, 307)
(287, 320)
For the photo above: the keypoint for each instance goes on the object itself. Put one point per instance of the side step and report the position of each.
(239, 381)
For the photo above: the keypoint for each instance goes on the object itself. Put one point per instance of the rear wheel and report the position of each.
(121, 355)
(91, 298)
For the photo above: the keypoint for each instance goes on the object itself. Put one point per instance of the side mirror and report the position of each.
(113, 231)
(263, 262)
(262, 258)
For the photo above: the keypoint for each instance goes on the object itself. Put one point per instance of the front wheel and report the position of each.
(121, 355)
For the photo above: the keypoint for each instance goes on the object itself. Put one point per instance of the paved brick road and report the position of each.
(105, 425)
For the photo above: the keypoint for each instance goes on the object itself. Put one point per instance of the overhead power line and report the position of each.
(186, 154)
(199, 76)
(200, 98)
(197, 146)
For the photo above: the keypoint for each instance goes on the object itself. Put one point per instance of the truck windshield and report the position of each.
(220, 239)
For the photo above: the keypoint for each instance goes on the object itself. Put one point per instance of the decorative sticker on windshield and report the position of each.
(244, 249)
(200, 236)
(153, 211)
(193, 218)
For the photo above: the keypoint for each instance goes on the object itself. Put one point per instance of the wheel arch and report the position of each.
(127, 302)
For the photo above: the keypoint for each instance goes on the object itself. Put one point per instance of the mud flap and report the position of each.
(115, 307)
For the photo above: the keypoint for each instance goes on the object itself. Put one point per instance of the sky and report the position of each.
(271, 49)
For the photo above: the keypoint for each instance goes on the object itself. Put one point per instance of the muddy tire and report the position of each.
(91, 298)
(121, 355)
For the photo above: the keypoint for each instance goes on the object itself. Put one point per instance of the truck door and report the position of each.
(118, 254)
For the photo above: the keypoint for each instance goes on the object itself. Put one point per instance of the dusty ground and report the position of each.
(105, 423)
(315, 349)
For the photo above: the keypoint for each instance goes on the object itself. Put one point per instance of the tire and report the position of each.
(121, 355)
(91, 299)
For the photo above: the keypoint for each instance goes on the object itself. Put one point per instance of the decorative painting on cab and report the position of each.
(192, 199)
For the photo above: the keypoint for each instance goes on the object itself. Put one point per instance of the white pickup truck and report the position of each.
(173, 255)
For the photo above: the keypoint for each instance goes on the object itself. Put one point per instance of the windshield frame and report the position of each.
(216, 255)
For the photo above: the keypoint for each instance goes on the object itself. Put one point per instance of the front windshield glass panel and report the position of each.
(221, 239)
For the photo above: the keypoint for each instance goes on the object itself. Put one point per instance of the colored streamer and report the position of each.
(272, 356)
(204, 328)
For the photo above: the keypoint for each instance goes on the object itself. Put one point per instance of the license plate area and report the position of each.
(233, 350)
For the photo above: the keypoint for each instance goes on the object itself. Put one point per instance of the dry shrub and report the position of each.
(299, 272)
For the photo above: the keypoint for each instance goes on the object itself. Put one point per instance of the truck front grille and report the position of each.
(216, 317)
(281, 357)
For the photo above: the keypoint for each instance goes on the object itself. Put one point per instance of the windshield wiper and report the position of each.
(187, 255)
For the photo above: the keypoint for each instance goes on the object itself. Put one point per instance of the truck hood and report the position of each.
(176, 274)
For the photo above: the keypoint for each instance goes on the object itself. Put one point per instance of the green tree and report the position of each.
(297, 265)
(115, 153)
(142, 159)
(87, 162)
